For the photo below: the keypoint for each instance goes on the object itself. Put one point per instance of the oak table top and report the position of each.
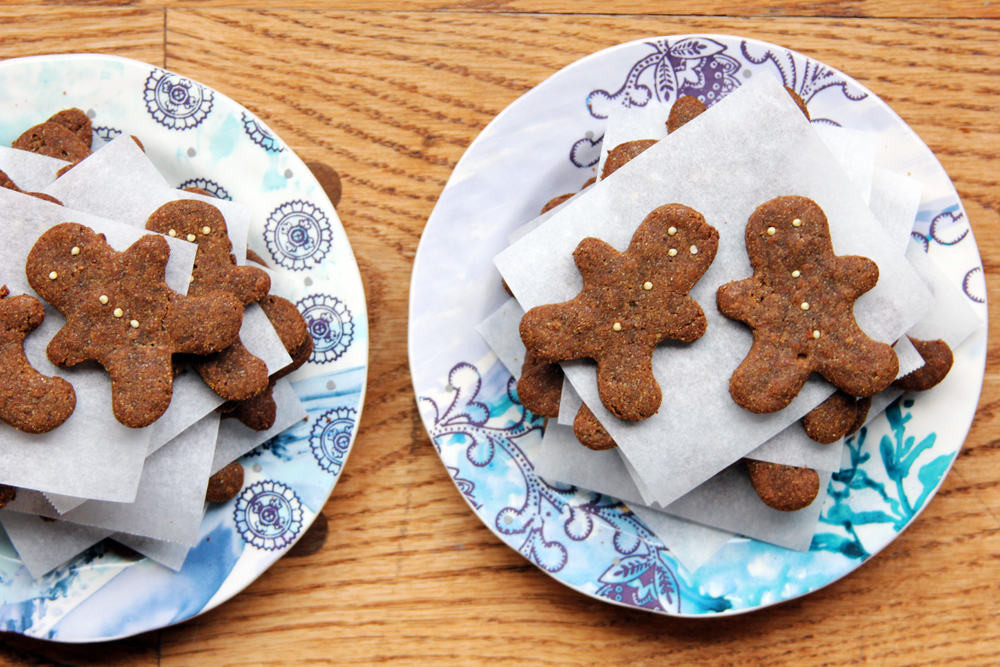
(397, 569)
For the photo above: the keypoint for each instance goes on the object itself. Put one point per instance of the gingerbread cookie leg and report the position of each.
(225, 484)
(540, 386)
(832, 419)
(784, 488)
(590, 432)
(29, 401)
(7, 495)
(938, 360)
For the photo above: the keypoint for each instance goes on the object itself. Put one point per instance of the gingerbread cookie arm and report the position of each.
(734, 300)
(29, 401)
(204, 324)
(234, 373)
(540, 386)
(859, 273)
(879, 360)
(549, 332)
(686, 321)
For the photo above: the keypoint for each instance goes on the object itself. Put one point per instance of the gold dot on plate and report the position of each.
(75, 250)
(771, 231)
(53, 275)
(172, 232)
(796, 223)
(103, 299)
(672, 252)
(134, 324)
(672, 231)
(119, 312)
(206, 230)
(694, 250)
(647, 286)
(804, 306)
(617, 326)
(192, 238)
(796, 273)
(816, 333)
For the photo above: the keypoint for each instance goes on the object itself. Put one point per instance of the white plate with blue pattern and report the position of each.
(547, 143)
(197, 136)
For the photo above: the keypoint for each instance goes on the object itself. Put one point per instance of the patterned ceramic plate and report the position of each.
(547, 143)
(197, 136)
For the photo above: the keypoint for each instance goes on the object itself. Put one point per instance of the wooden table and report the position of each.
(397, 569)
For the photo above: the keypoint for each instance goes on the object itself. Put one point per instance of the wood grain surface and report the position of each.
(398, 570)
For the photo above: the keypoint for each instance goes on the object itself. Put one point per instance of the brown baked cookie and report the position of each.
(684, 110)
(225, 484)
(622, 154)
(328, 179)
(630, 302)
(29, 401)
(590, 432)
(590, 181)
(800, 305)
(121, 314)
(53, 140)
(7, 495)
(555, 201)
(784, 488)
(832, 419)
(540, 386)
(260, 411)
(199, 191)
(255, 258)
(6, 182)
(77, 122)
(799, 102)
(937, 362)
(233, 373)
(864, 405)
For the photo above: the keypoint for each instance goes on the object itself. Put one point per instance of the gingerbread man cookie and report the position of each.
(225, 484)
(631, 301)
(800, 305)
(120, 313)
(540, 386)
(29, 401)
(590, 432)
(234, 373)
(784, 488)
(938, 359)
(832, 419)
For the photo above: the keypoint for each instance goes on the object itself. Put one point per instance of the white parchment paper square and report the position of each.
(45, 545)
(715, 170)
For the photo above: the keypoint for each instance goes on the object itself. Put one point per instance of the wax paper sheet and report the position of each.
(711, 167)
(691, 543)
(169, 554)
(235, 439)
(45, 545)
(29, 171)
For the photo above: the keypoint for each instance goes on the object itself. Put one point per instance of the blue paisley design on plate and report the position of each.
(268, 515)
(331, 436)
(175, 102)
(208, 186)
(298, 235)
(330, 324)
(260, 135)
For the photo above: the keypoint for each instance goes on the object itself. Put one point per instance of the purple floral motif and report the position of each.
(586, 152)
(467, 421)
(331, 438)
(175, 102)
(694, 66)
(208, 186)
(644, 580)
(106, 133)
(814, 78)
(924, 242)
(948, 228)
(974, 285)
(268, 515)
(298, 235)
(330, 324)
(467, 487)
(260, 135)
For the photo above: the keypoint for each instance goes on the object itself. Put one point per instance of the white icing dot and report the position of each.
(796, 273)
(206, 230)
(694, 250)
(796, 223)
(617, 326)
(134, 324)
(191, 278)
(672, 252)
(103, 299)
(816, 333)
(191, 238)
(804, 306)
(75, 250)
(53, 275)
(771, 231)
(672, 231)
(172, 232)
(119, 312)
(647, 285)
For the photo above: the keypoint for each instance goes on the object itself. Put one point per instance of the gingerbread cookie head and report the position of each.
(622, 154)
(630, 302)
(215, 267)
(120, 313)
(800, 305)
(53, 140)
